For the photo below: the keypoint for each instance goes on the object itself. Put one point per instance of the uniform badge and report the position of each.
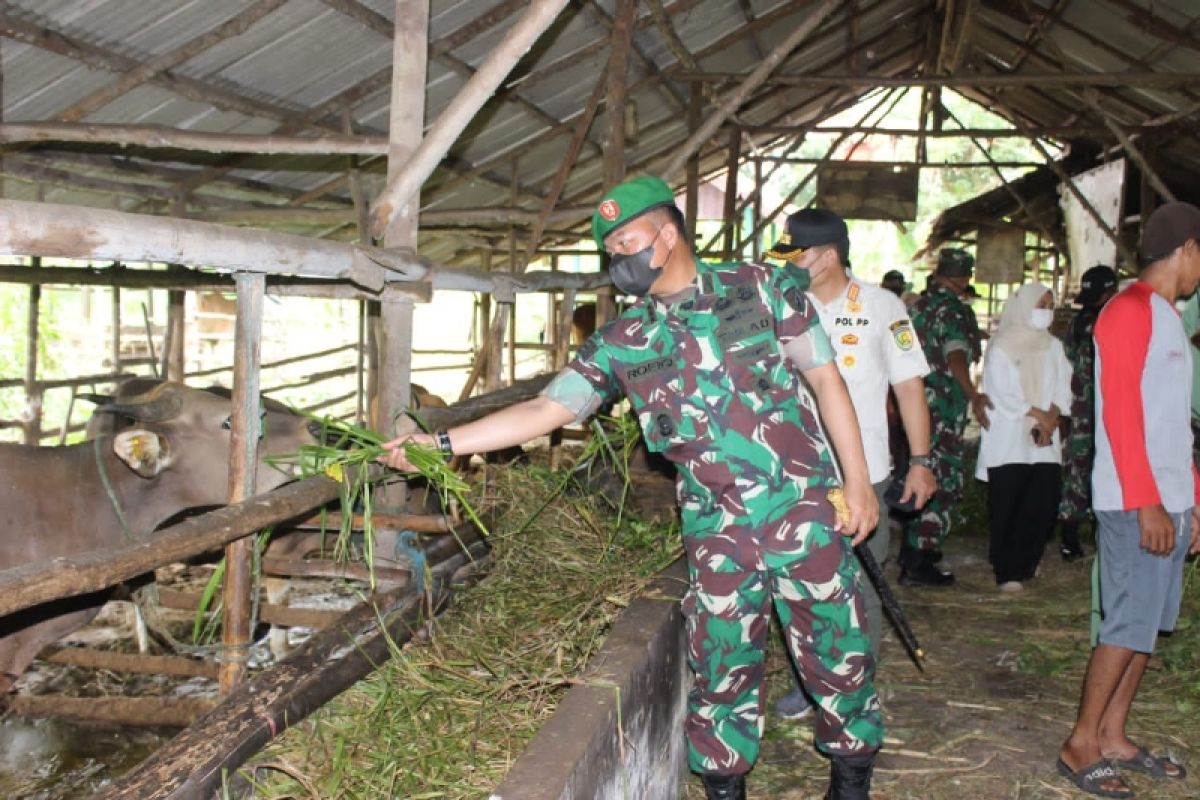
(849, 339)
(849, 361)
(903, 335)
(852, 304)
(854, 308)
(796, 299)
(609, 209)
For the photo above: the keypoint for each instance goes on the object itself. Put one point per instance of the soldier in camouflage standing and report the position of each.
(949, 335)
(1096, 287)
(711, 359)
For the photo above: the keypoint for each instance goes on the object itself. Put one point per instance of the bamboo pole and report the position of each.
(676, 162)
(409, 177)
(243, 460)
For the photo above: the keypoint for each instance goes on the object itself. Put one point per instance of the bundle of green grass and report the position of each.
(447, 717)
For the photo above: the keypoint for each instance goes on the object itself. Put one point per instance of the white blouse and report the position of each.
(1009, 438)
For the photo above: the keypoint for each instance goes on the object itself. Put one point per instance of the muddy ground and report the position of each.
(999, 693)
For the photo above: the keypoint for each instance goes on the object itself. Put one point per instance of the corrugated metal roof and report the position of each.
(306, 54)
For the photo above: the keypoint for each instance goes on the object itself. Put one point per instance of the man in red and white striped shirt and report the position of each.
(1144, 491)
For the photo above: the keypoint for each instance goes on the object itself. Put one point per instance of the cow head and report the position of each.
(176, 433)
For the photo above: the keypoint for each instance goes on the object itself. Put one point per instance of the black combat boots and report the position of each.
(724, 787)
(850, 777)
(918, 568)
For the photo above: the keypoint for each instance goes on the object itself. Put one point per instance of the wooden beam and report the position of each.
(445, 217)
(461, 110)
(648, 64)
(1041, 79)
(802, 31)
(47, 229)
(169, 712)
(564, 170)
(32, 584)
(1048, 131)
(159, 136)
(765, 221)
(200, 760)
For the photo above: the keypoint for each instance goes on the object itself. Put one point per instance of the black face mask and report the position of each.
(633, 273)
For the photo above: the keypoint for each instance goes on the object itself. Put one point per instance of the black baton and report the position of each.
(890, 604)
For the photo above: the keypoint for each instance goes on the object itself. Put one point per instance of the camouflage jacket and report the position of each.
(715, 394)
(943, 323)
(1081, 352)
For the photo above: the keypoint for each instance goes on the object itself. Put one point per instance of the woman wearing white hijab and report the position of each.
(1028, 378)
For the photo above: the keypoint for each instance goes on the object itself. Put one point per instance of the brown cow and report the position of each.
(63, 501)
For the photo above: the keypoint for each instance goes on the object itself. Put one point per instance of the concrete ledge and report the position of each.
(618, 735)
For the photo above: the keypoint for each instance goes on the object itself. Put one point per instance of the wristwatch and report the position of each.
(921, 461)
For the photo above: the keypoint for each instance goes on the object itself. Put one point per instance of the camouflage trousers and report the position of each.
(1079, 452)
(928, 529)
(737, 575)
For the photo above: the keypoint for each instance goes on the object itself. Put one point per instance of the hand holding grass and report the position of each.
(396, 454)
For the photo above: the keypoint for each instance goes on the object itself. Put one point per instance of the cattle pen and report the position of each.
(385, 155)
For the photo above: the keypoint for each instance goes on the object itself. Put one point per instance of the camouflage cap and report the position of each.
(954, 262)
(627, 201)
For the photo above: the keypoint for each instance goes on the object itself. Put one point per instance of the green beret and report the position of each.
(626, 201)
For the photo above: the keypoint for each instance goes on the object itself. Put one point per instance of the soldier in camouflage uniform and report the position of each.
(949, 335)
(711, 360)
(1096, 287)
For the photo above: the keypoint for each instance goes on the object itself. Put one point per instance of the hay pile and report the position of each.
(448, 716)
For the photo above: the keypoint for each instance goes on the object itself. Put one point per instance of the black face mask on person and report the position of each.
(634, 274)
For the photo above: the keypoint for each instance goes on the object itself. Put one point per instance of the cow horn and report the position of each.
(161, 403)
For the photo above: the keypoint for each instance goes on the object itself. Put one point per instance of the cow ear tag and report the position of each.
(144, 452)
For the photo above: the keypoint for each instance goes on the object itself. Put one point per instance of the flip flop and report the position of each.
(1090, 778)
(1147, 763)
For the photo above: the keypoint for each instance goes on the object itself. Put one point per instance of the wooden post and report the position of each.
(174, 353)
(409, 51)
(405, 178)
(756, 242)
(243, 460)
(695, 108)
(731, 181)
(116, 325)
(32, 425)
(614, 113)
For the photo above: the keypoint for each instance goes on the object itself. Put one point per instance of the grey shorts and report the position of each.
(1137, 593)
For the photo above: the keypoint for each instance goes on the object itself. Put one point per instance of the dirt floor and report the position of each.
(999, 692)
